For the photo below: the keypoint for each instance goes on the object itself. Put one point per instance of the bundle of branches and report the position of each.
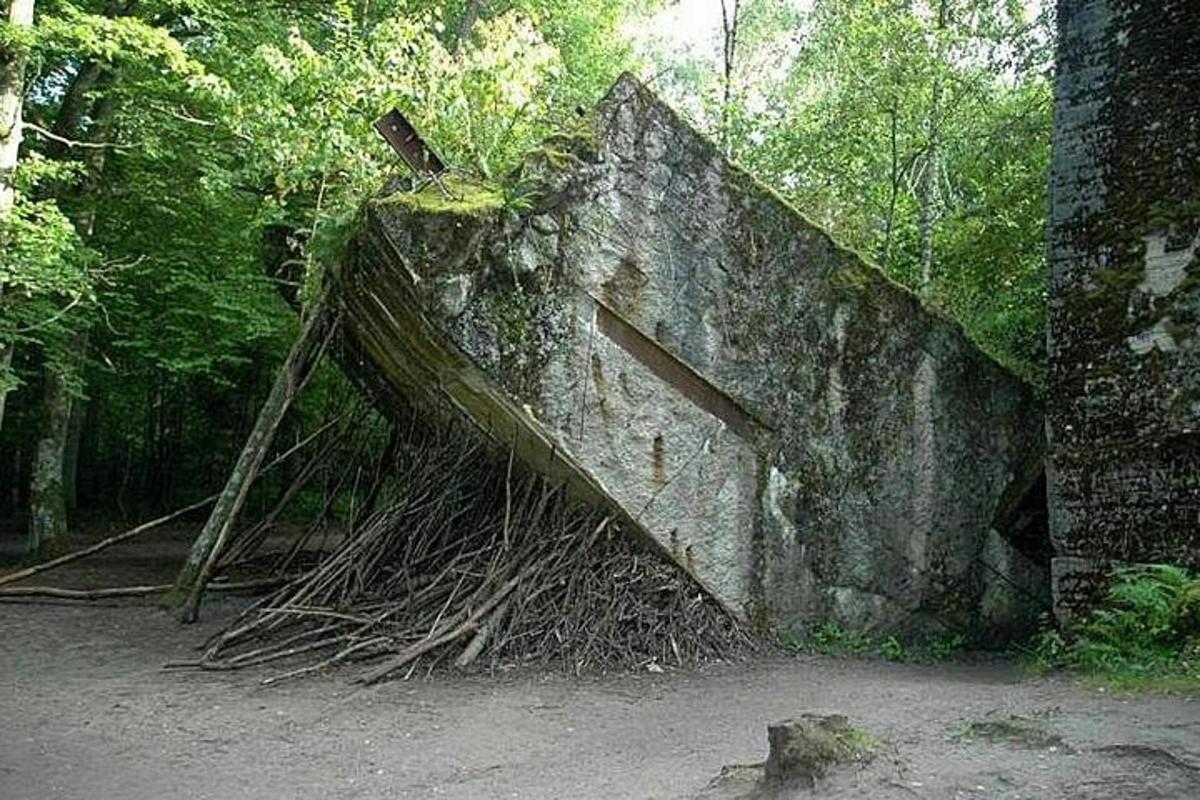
(469, 559)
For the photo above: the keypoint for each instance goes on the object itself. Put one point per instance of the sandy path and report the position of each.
(87, 712)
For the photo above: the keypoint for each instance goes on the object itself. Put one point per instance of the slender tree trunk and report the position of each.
(12, 98)
(895, 190)
(466, 24)
(927, 195)
(928, 191)
(305, 352)
(15, 483)
(6, 356)
(47, 504)
(729, 25)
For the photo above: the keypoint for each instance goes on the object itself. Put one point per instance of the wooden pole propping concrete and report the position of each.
(315, 333)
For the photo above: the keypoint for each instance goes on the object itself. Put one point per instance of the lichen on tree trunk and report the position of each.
(48, 535)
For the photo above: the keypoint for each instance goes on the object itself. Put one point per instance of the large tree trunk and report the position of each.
(47, 503)
(12, 97)
(76, 102)
(48, 482)
(305, 352)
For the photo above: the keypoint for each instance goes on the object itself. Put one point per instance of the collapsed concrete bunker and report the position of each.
(641, 319)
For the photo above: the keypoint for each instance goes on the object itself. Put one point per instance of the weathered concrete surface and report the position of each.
(655, 326)
(1124, 402)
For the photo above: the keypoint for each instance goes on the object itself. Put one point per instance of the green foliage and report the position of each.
(65, 28)
(1146, 631)
(836, 108)
(832, 639)
(46, 270)
(892, 650)
(225, 118)
(943, 649)
(43, 255)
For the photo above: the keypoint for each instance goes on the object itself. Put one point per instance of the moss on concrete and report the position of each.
(452, 194)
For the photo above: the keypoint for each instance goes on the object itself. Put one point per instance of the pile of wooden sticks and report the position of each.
(464, 559)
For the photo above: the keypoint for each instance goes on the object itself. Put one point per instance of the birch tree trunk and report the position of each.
(12, 97)
(928, 191)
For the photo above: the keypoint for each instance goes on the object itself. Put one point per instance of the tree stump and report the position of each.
(802, 749)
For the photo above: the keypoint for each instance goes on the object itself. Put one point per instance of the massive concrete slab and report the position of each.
(646, 321)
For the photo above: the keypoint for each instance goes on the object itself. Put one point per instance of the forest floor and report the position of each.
(87, 711)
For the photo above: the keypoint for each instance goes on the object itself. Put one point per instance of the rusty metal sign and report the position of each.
(405, 140)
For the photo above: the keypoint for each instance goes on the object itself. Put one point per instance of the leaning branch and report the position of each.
(22, 574)
(19, 575)
(315, 335)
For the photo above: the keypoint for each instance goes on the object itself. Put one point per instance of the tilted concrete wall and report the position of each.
(794, 429)
(1124, 398)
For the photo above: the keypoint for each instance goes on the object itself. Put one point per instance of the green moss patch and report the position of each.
(451, 195)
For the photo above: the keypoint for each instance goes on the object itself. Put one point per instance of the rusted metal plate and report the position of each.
(674, 372)
(405, 140)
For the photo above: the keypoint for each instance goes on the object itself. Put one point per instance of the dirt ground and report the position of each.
(87, 711)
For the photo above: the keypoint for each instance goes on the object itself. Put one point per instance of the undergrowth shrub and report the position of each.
(831, 639)
(1147, 627)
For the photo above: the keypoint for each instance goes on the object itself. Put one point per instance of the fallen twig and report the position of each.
(130, 591)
